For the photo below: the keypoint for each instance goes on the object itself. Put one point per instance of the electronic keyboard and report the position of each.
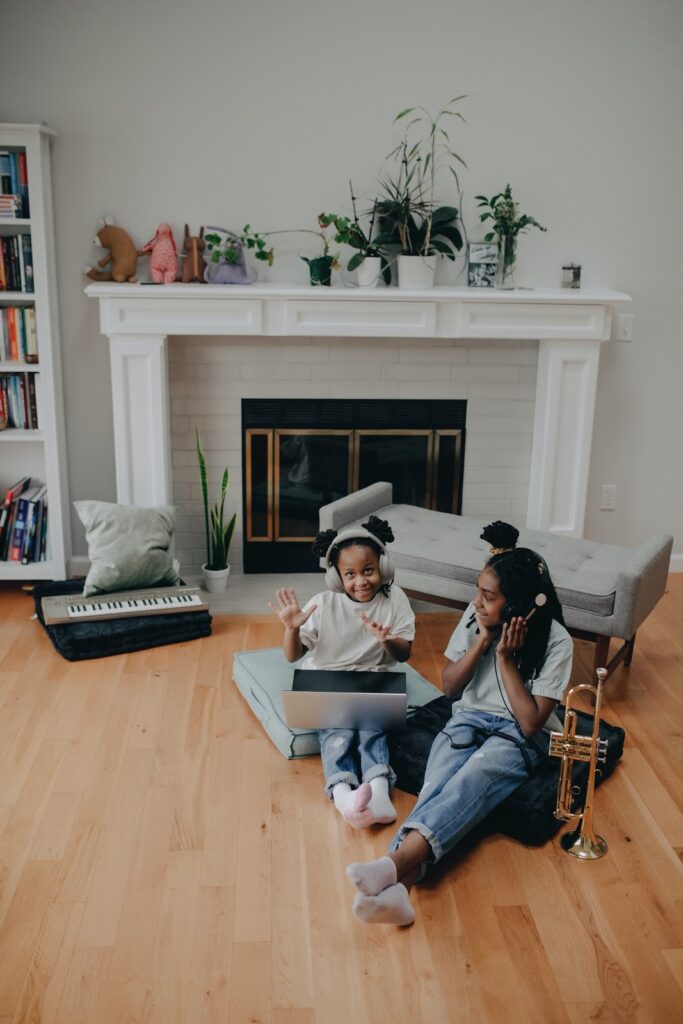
(124, 604)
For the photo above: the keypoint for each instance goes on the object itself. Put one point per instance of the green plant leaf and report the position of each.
(356, 261)
(444, 214)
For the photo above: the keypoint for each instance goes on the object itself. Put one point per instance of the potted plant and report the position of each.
(369, 261)
(409, 215)
(216, 569)
(225, 262)
(507, 224)
(320, 267)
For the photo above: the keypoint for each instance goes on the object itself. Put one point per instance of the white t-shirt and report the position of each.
(483, 693)
(338, 639)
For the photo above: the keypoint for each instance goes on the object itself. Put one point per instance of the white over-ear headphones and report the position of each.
(332, 577)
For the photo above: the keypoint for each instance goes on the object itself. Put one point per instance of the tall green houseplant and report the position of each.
(218, 535)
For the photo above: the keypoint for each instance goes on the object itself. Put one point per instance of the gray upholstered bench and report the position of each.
(605, 590)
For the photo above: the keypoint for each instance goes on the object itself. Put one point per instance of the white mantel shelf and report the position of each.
(569, 325)
(273, 310)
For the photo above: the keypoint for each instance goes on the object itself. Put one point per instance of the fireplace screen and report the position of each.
(291, 470)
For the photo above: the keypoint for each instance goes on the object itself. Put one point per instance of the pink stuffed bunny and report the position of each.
(163, 264)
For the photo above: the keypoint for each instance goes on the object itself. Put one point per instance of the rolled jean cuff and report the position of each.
(378, 770)
(348, 777)
(426, 833)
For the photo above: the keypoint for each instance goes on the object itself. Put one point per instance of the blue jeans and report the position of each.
(472, 767)
(349, 753)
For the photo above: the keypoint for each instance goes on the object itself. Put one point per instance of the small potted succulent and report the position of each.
(216, 569)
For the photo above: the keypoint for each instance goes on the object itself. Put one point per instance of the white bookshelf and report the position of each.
(40, 454)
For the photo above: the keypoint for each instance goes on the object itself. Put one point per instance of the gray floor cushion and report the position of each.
(261, 676)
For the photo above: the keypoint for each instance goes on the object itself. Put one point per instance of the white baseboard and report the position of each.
(79, 565)
(676, 563)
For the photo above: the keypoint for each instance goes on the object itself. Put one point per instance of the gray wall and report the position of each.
(216, 112)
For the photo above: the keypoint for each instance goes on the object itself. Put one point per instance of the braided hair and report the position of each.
(522, 574)
(378, 527)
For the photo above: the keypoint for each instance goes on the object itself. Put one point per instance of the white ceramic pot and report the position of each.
(369, 272)
(215, 580)
(416, 272)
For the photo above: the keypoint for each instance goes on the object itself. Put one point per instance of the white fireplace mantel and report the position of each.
(569, 325)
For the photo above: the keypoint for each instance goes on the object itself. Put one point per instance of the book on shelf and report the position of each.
(18, 336)
(19, 400)
(32, 529)
(16, 263)
(14, 178)
(23, 523)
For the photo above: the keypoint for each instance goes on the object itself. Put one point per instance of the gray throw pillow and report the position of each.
(128, 546)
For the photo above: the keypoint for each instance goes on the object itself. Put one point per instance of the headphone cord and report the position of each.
(527, 739)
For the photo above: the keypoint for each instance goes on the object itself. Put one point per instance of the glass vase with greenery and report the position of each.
(507, 225)
(218, 533)
(409, 214)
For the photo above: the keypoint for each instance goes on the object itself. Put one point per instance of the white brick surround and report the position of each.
(209, 377)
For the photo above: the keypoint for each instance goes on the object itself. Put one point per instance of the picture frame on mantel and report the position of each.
(482, 264)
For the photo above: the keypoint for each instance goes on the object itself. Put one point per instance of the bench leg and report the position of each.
(601, 653)
(629, 650)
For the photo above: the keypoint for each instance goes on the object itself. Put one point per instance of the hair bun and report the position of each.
(501, 536)
(322, 542)
(380, 528)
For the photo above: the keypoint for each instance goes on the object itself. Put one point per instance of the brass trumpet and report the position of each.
(583, 842)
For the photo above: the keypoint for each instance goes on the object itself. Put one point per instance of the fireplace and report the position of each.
(299, 454)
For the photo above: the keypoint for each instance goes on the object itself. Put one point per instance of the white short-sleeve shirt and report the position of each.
(483, 692)
(338, 639)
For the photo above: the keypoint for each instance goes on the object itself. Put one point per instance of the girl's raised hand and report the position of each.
(380, 632)
(288, 609)
(512, 637)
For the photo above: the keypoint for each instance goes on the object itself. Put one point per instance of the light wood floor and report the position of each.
(161, 862)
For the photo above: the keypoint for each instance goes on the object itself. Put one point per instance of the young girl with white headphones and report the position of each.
(362, 622)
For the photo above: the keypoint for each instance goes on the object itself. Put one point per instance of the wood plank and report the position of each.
(160, 860)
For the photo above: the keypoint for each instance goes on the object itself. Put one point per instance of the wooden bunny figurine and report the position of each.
(193, 264)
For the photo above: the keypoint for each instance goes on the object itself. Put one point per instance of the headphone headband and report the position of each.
(332, 577)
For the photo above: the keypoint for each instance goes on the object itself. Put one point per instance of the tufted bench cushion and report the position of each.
(585, 572)
(606, 590)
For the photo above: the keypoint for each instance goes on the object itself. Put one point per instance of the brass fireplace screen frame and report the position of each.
(273, 439)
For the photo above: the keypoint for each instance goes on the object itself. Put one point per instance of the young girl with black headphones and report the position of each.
(510, 660)
(362, 622)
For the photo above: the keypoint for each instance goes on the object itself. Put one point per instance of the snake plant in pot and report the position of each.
(218, 535)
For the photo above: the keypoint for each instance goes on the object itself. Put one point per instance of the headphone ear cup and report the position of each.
(386, 568)
(508, 612)
(333, 580)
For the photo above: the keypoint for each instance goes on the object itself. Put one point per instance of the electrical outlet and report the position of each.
(608, 501)
(624, 330)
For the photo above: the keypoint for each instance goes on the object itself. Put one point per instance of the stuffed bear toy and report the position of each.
(163, 264)
(193, 263)
(123, 254)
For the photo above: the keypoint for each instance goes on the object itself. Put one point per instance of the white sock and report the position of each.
(343, 795)
(391, 906)
(352, 804)
(373, 877)
(381, 806)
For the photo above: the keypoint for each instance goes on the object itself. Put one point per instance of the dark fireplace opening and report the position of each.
(299, 454)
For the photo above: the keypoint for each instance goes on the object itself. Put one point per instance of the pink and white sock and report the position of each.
(391, 906)
(374, 876)
(352, 804)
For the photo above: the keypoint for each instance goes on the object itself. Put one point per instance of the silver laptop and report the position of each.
(345, 700)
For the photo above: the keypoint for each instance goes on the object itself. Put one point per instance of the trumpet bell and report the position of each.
(582, 846)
